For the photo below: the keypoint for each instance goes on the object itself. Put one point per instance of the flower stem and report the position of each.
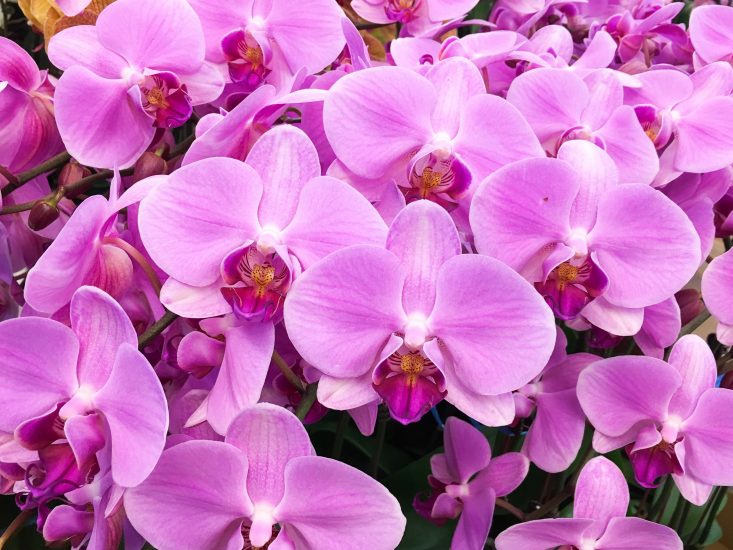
(382, 418)
(658, 508)
(513, 510)
(306, 402)
(338, 440)
(287, 372)
(156, 328)
(707, 519)
(14, 527)
(46, 166)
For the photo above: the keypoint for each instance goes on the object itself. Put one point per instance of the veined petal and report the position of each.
(134, 406)
(354, 297)
(37, 368)
(370, 137)
(456, 81)
(204, 211)
(709, 438)
(542, 534)
(695, 362)
(79, 45)
(717, 285)
(17, 67)
(615, 393)
(102, 326)
(325, 498)
(331, 215)
(423, 237)
(466, 449)
(480, 305)
(638, 533)
(195, 499)
(269, 437)
(601, 493)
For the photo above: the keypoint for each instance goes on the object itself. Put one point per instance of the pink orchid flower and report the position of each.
(233, 236)
(416, 321)
(83, 384)
(669, 416)
(269, 41)
(89, 250)
(209, 495)
(428, 132)
(556, 433)
(560, 106)
(717, 291)
(599, 519)
(466, 481)
(29, 135)
(118, 88)
(709, 33)
(568, 226)
(688, 118)
(417, 17)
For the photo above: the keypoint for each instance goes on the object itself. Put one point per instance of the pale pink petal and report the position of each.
(456, 81)
(66, 263)
(489, 410)
(270, 437)
(552, 100)
(423, 237)
(308, 32)
(194, 302)
(492, 134)
(204, 211)
(72, 7)
(286, 160)
(605, 95)
(86, 437)
(709, 26)
(440, 10)
(244, 368)
(475, 520)
(620, 321)
(195, 499)
(370, 11)
(663, 89)
(354, 298)
(466, 449)
(347, 393)
(639, 231)
(638, 534)
(134, 406)
(327, 500)
(601, 493)
(102, 326)
(165, 36)
(505, 473)
(690, 487)
(102, 125)
(705, 137)
(497, 329)
(615, 396)
(37, 368)
(218, 20)
(369, 136)
(709, 438)
(556, 433)
(717, 287)
(79, 45)
(522, 208)
(660, 328)
(598, 173)
(331, 215)
(693, 359)
(544, 534)
(629, 147)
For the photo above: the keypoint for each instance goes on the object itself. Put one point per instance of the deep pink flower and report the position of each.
(28, 135)
(117, 88)
(208, 495)
(568, 226)
(466, 481)
(418, 319)
(87, 384)
(669, 416)
(599, 519)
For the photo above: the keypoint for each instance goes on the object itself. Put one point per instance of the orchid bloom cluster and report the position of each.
(366, 274)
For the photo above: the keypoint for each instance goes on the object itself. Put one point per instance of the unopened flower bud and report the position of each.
(690, 303)
(73, 172)
(149, 164)
(43, 214)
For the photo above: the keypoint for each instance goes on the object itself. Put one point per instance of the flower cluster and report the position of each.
(222, 223)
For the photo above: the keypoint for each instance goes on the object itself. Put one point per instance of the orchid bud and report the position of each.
(73, 172)
(149, 164)
(43, 214)
(690, 303)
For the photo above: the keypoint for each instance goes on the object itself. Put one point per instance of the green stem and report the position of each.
(338, 440)
(657, 509)
(290, 376)
(677, 514)
(693, 325)
(382, 419)
(307, 401)
(707, 520)
(159, 326)
(551, 504)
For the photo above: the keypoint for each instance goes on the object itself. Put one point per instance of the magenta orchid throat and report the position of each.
(366, 274)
